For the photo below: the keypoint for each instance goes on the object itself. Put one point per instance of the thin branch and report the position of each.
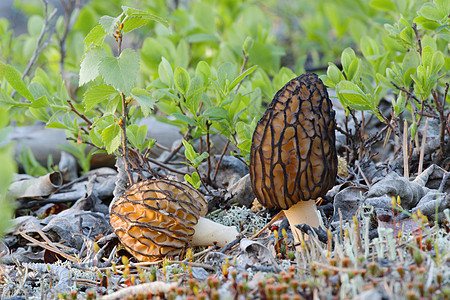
(220, 159)
(208, 149)
(422, 149)
(123, 126)
(70, 16)
(154, 161)
(79, 114)
(175, 151)
(419, 41)
(405, 150)
(39, 45)
(244, 62)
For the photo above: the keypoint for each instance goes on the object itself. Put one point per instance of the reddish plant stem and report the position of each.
(208, 149)
(220, 159)
(79, 114)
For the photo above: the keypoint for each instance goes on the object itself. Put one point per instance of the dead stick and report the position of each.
(422, 149)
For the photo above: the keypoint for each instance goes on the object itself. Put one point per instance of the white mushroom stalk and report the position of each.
(304, 212)
(208, 233)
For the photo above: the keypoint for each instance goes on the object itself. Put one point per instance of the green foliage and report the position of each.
(8, 167)
(410, 54)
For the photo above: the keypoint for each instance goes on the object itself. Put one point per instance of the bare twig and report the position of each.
(40, 45)
(419, 41)
(220, 159)
(244, 62)
(79, 114)
(405, 150)
(175, 151)
(422, 149)
(208, 149)
(440, 108)
(71, 11)
(123, 126)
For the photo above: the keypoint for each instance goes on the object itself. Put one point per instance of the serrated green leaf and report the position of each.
(111, 136)
(95, 37)
(90, 63)
(165, 72)
(133, 12)
(182, 80)
(96, 138)
(97, 94)
(145, 101)
(109, 23)
(15, 80)
(132, 23)
(120, 72)
(185, 119)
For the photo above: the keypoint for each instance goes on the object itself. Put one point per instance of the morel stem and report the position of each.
(303, 212)
(208, 233)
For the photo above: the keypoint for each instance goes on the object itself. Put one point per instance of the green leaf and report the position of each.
(109, 23)
(97, 94)
(333, 73)
(216, 113)
(182, 80)
(185, 119)
(352, 93)
(194, 179)
(203, 70)
(199, 159)
(15, 80)
(384, 5)
(141, 134)
(120, 72)
(111, 136)
(96, 138)
(165, 72)
(225, 74)
(427, 56)
(95, 37)
(57, 124)
(182, 54)
(90, 64)
(189, 151)
(430, 11)
(348, 55)
(241, 77)
(145, 101)
(437, 62)
(141, 14)
(204, 16)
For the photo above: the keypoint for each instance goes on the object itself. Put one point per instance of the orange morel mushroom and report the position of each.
(293, 157)
(159, 218)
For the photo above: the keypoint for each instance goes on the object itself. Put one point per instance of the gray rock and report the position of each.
(241, 192)
(348, 202)
(394, 185)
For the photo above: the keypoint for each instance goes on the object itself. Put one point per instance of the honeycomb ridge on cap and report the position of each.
(154, 218)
